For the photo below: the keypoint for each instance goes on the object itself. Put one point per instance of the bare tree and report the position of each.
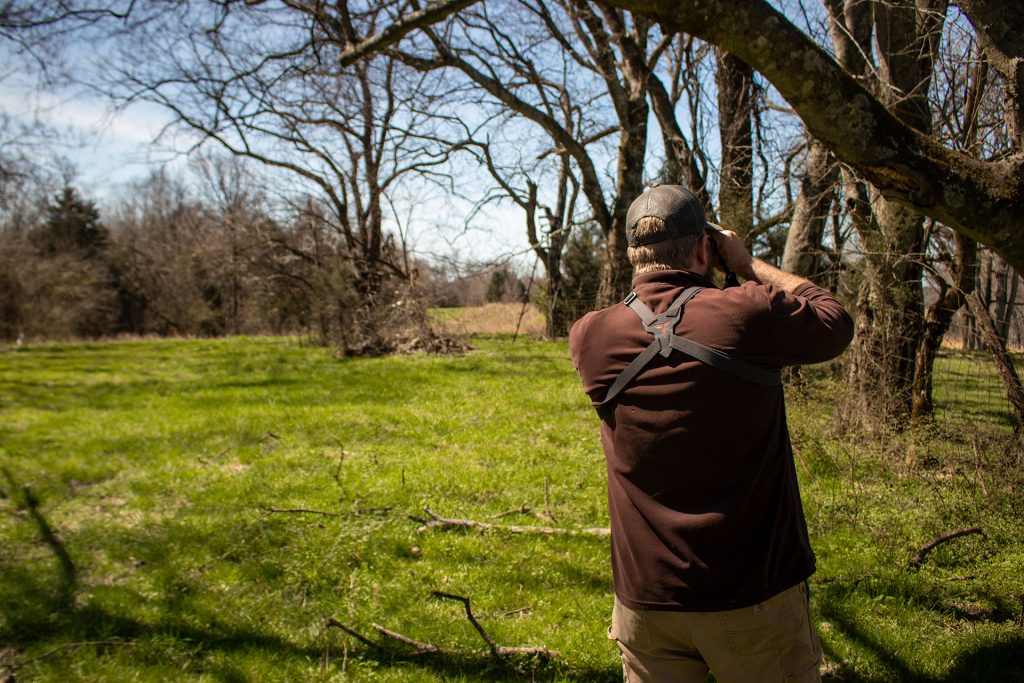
(968, 117)
(494, 62)
(980, 197)
(553, 70)
(265, 82)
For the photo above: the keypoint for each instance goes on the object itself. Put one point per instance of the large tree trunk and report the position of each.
(1004, 293)
(890, 307)
(813, 206)
(736, 187)
(889, 317)
(630, 99)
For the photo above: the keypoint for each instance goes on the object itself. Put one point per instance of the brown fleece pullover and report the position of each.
(702, 492)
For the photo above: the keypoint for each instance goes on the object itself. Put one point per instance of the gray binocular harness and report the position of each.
(662, 327)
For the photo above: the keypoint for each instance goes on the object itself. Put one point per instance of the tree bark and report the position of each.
(1004, 293)
(736, 179)
(802, 254)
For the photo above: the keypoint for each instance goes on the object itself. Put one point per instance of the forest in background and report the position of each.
(200, 255)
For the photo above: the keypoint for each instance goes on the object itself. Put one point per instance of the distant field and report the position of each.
(493, 318)
(213, 510)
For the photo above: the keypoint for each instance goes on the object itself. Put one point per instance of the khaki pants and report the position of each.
(771, 641)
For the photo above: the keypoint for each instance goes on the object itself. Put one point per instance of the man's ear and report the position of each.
(704, 254)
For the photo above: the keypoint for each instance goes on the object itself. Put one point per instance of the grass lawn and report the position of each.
(210, 510)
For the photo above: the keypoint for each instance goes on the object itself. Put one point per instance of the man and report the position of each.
(710, 553)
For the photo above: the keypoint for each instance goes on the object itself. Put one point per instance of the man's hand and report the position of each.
(732, 250)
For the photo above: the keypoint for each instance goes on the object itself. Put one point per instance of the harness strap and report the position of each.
(723, 361)
(631, 371)
(665, 340)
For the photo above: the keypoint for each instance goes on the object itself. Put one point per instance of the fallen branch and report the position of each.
(420, 648)
(352, 632)
(919, 557)
(308, 511)
(496, 650)
(437, 522)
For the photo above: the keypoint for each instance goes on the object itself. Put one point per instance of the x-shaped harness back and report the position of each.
(665, 340)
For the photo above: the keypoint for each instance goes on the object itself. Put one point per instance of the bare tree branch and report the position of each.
(431, 14)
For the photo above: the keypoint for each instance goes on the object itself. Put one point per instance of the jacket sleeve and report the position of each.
(808, 325)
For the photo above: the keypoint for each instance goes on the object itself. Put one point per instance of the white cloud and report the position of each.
(108, 147)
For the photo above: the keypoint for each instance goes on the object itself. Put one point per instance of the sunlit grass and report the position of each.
(220, 501)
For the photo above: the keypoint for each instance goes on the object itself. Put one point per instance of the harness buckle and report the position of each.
(663, 329)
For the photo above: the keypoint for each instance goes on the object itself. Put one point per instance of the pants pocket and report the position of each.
(776, 633)
(751, 634)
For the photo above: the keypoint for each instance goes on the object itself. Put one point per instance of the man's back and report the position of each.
(703, 498)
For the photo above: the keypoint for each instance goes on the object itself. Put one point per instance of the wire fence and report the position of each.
(966, 383)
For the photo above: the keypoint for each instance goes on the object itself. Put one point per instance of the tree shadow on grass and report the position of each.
(1000, 661)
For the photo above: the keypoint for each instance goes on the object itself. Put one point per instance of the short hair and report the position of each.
(672, 254)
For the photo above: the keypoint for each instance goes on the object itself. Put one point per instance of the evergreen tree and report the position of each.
(72, 225)
(499, 285)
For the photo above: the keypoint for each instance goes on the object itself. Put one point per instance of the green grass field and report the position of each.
(210, 510)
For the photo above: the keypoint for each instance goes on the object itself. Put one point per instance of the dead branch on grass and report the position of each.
(496, 650)
(352, 632)
(419, 648)
(435, 521)
(308, 511)
(919, 557)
